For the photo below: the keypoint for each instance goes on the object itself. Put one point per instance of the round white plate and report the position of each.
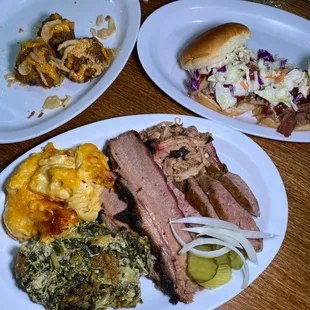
(241, 155)
(17, 102)
(164, 34)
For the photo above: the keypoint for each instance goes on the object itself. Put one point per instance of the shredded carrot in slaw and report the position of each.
(244, 85)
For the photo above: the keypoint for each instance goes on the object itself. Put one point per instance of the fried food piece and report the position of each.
(85, 58)
(35, 66)
(56, 30)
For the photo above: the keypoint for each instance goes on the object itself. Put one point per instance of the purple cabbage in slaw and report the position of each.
(298, 98)
(283, 63)
(222, 69)
(193, 84)
(231, 88)
(260, 81)
(263, 54)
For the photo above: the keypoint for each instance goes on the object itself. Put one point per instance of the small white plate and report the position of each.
(242, 156)
(165, 33)
(17, 102)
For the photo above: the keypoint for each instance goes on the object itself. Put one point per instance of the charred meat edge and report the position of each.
(126, 150)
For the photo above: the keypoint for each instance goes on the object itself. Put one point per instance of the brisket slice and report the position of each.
(140, 221)
(216, 163)
(241, 192)
(112, 205)
(197, 197)
(227, 208)
(183, 204)
(155, 204)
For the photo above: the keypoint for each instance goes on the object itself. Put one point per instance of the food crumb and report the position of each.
(66, 100)
(31, 114)
(99, 20)
(10, 78)
(21, 30)
(106, 32)
(54, 102)
(93, 32)
(41, 114)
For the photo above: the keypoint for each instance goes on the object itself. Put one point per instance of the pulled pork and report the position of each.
(182, 152)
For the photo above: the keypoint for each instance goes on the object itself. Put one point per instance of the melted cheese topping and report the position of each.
(52, 190)
(81, 50)
(64, 26)
(42, 65)
(33, 43)
(79, 76)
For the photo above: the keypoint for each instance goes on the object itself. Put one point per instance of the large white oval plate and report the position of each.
(242, 156)
(164, 34)
(16, 103)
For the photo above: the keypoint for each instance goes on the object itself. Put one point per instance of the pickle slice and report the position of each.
(205, 247)
(223, 259)
(223, 276)
(200, 269)
(235, 260)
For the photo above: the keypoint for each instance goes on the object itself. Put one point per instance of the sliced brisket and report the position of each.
(227, 208)
(112, 205)
(186, 208)
(197, 198)
(241, 192)
(155, 204)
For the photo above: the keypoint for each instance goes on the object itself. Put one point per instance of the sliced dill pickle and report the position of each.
(223, 276)
(235, 260)
(205, 247)
(200, 269)
(223, 259)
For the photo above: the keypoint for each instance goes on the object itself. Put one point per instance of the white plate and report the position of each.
(16, 103)
(164, 34)
(241, 155)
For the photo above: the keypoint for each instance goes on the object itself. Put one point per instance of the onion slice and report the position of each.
(235, 235)
(201, 241)
(46, 29)
(42, 77)
(24, 68)
(67, 43)
(209, 254)
(250, 234)
(176, 236)
(205, 221)
(213, 232)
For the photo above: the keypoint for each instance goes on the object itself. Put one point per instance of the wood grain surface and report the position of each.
(285, 284)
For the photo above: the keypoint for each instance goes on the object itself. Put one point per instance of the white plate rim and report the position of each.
(134, 22)
(190, 104)
(139, 122)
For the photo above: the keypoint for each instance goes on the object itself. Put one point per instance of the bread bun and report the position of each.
(211, 104)
(269, 122)
(212, 46)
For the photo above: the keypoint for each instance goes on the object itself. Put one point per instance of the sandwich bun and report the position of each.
(212, 46)
(210, 103)
(269, 122)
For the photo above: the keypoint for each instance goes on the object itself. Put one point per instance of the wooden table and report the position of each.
(286, 282)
